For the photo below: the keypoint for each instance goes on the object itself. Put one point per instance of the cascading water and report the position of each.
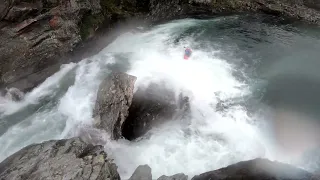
(226, 66)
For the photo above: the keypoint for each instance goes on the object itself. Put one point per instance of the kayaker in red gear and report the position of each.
(187, 53)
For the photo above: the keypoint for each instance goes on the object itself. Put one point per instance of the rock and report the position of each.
(14, 94)
(261, 169)
(4, 8)
(179, 176)
(306, 10)
(30, 44)
(143, 172)
(90, 134)
(37, 36)
(21, 11)
(114, 98)
(152, 106)
(315, 4)
(66, 159)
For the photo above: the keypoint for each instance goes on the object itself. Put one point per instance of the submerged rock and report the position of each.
(62, 159)
(259, 169)
(114, 98)
(143, 172)
(152, 106)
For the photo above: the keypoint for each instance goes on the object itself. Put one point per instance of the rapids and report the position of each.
(247, 79)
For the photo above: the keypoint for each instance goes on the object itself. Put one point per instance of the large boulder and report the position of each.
(257, 169)
(62, 159)
(143, 172)
(124, 114)
(152, 106)
(114, 98)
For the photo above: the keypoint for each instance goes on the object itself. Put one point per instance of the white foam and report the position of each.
(212, 140)
(47, 88)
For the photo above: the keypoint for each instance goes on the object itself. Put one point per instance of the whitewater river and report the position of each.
(253, 83)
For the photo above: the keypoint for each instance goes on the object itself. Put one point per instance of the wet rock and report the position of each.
(152, 106)
(114, 98)
(143, 172)
(63, 159)
(4, 8)
(36, 35)
(90, 134)
(179, 176)
(13, 94)
(306, 10)
(261, 169)
(315, 4)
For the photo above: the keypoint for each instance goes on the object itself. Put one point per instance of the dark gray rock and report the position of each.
(257, 169)
(4, 8)
(63, 159)
(114, 98)
(35, 35)
(306, 10)
(152, 106)
(143, 172)
(22, 10)
(179, 176)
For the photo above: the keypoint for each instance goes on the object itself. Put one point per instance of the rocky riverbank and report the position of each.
(36, 37)
(71, 159)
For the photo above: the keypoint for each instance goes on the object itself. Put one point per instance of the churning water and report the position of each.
(252, 81)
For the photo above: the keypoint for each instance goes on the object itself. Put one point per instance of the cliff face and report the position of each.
(306, 10)
(71, 159)
(36, 36)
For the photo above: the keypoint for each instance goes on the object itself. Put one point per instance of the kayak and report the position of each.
(187, 54)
